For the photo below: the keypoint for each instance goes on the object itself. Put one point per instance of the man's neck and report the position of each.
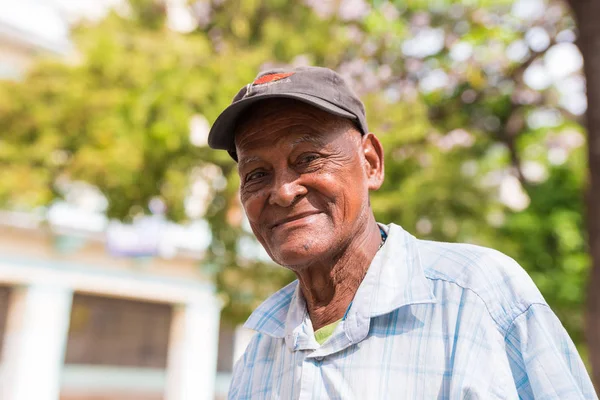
(329, 289)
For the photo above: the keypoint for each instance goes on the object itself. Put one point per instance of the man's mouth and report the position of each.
(292, 218)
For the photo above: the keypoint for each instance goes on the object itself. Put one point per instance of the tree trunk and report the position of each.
(587, 14)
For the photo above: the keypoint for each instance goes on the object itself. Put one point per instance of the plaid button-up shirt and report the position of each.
(429, 321)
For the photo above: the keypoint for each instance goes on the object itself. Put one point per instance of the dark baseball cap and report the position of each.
(317, 86)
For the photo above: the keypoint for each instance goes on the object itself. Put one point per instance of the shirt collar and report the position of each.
(398, 278)
(394, 279)
(269, 318)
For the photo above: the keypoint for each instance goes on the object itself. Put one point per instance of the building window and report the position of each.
(118, 332)
(226, 345)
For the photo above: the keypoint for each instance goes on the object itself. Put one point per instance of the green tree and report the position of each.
(487, 92)
(470, 65)
(585, 12)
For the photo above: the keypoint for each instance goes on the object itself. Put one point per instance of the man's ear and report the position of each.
(373, 156)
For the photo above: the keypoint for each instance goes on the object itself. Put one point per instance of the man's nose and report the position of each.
(286, 189)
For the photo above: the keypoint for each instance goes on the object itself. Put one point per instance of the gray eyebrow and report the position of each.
(308, 139)
(247, 160)
(302, 139)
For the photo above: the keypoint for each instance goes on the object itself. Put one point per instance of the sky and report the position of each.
(50, 19)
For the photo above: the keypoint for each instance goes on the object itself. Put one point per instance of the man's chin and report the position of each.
(296, 257)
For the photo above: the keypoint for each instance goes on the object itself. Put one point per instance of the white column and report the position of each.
(34, 342)
(193, 344)
(241, 340)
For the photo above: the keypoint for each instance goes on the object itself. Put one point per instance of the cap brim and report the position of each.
(221, 135)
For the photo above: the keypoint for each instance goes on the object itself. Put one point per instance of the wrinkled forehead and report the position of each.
(279, 119)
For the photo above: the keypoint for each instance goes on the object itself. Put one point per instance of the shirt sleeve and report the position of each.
(236, 377)
(543, 359)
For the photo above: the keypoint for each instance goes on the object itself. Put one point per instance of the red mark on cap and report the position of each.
(272, 78)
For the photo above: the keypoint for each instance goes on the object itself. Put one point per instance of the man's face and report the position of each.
(305, 181)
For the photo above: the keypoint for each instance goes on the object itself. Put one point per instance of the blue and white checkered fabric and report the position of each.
(429, 321)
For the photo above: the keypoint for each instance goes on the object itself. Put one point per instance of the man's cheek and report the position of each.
(252, 206)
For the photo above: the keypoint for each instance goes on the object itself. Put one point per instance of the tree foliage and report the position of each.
(525, 136)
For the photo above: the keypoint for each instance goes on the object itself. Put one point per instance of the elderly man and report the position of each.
(375, 313)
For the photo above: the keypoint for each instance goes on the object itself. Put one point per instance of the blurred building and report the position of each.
(29, 29)
(77, 323)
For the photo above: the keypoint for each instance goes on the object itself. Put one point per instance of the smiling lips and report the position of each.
(292, 218)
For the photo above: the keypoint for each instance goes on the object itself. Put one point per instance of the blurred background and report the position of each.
(126, 262)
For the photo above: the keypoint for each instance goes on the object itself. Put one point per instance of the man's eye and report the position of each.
(254, 176)
(308, 158)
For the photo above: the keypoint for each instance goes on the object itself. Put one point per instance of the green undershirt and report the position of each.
(323, 333)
